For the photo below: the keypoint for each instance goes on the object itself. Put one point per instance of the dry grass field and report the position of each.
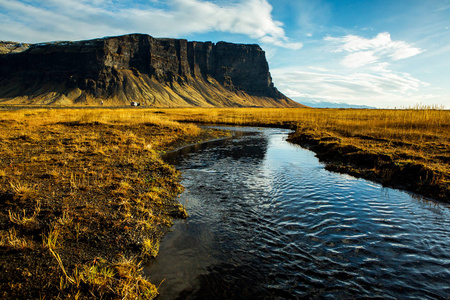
(84, 199)
(85, 196)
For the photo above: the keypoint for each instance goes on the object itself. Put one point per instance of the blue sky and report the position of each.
(385, 53)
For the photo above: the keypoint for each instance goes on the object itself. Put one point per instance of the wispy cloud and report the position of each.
(70, 19)
(362, 51)
(368, 75)
(382, 89)
(359, 59)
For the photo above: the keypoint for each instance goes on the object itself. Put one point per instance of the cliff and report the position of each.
(137, 67)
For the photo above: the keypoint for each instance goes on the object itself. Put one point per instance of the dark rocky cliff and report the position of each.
(137, 67)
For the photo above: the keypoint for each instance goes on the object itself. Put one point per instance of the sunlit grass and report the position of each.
(77, 180)
(10, 238)
(150, 247)
(22, 190)
(73, 176)
(416, 124)
(23, 219)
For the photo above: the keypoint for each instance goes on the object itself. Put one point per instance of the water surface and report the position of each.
(267, 221)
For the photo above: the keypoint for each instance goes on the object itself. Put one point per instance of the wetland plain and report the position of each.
(86, 198)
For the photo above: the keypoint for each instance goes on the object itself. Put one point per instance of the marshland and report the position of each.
(86, 197)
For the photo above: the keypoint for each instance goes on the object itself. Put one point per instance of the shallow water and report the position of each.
(267, 221)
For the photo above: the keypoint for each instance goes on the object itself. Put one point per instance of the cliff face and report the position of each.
(158, 72)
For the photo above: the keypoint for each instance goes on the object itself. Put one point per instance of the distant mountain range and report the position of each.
(324, 104)
(138, 68)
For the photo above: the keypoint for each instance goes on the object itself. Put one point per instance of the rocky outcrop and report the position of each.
(12, 47)
(137, 67)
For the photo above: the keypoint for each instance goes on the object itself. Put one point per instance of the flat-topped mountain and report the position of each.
(137, 67)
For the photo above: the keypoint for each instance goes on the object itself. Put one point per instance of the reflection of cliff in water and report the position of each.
(191, 260)
(220, 283)
(236, 148)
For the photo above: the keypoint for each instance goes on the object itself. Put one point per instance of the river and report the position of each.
(267, 221)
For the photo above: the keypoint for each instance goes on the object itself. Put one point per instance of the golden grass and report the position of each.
(418, 134)
(78, 180)
(416, 129)
(23, 219)
(65, 219)
(123, 278)
(22, 190)
(40, 117)
(416, 124)
(150, 247)
(51, 239)
(91, 181)
(11, 239)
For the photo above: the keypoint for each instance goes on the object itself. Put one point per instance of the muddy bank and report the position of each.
(380, 164)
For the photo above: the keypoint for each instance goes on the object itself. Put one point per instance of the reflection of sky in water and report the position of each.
(267, 221)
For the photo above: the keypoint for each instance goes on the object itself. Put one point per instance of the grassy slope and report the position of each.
(134, 86)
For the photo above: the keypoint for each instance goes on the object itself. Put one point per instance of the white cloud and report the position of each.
(403, 50)
(359, 59)
(361, 51)
(353, 43)
(75, 19)
(382, 89)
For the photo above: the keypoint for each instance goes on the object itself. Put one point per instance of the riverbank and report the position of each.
(85, 199)
(389, 163)
(407, 149)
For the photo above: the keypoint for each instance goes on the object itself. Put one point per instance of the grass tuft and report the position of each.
(23, 191)
(50, 240)
(23, 220)
(12, 240)
(65, 219)
(150, 247)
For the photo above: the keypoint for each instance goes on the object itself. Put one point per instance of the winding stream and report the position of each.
(267, 221)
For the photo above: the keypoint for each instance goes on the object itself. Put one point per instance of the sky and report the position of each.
(377, 53)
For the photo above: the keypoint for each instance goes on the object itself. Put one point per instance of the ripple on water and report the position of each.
(268, 222)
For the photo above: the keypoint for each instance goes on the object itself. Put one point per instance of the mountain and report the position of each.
(325, 104)
(153, 71)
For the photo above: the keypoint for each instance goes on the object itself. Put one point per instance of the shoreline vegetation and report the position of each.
(85, 197)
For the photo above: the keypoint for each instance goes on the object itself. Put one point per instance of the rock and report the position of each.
(140, 68)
